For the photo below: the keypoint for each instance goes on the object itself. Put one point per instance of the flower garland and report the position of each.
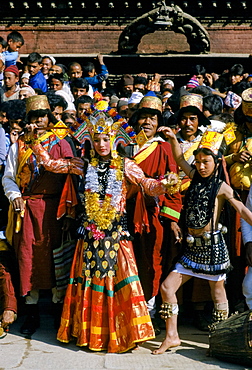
(101, 214)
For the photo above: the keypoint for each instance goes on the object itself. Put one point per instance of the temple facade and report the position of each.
(92, 26)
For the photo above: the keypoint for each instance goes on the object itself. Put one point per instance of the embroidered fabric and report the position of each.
(200, 201)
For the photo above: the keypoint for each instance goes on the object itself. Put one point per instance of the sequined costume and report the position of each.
(104, 305)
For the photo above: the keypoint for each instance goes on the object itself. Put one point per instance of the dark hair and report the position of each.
(168, 119)
(56, 100)
(201, 90)
(87, 67)
(15, 36)
(66, 115)
(239, 87)
(108, 92)
(63, 67)
(34, 58)
(56, 76)
(40, 113)
(38, 91)
(198, 70)
(223, 117)
(3, 42)
(213, 103)
(80, 83)
(15, 109)
(82, 100)
(140, 80)
(236, 69)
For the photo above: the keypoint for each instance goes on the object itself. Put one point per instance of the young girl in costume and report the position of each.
(205, 254)
(104, 307)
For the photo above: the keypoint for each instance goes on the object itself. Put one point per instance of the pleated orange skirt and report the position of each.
(107, 313)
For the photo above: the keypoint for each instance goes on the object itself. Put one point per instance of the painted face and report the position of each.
(102, 145)
(75, 71)
(149, 123)
(10, 79)
(33, 68)
(189, 125)
(46, 65)
(205, 164)
(56, 84)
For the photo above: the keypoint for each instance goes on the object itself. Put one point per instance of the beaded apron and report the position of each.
(207, 254)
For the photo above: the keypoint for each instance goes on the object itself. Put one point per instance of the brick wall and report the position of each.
(93, 39)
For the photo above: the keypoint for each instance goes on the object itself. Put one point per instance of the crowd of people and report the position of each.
(113, 197)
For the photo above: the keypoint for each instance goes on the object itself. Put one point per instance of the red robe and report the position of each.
(149, 250)
(41, 232)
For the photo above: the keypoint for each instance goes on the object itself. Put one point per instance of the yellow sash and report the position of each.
(142, 155)
(11, 213)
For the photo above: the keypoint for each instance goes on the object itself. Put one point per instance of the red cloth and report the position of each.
(68, 199)
(148, 246)
(41, 232)
(7, 293)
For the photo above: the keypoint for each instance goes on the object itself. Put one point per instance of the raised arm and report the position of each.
(176, 150)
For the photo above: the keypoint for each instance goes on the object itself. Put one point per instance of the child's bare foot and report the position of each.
(167, 343)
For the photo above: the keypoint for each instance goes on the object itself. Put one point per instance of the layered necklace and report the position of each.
(101, 211)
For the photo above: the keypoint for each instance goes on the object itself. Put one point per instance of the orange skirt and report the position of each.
(108, 313)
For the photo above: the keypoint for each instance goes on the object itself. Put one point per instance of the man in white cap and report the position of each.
(133, 102)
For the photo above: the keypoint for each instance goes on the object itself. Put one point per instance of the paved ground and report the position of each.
(43, 351)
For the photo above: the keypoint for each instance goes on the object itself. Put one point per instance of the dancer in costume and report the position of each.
(205, 254)
(104, 307)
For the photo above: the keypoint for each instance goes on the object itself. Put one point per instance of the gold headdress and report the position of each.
(212, 140)
(247, 102)
(104, 120)
(193, 100)
(36, 102)
(152, 102)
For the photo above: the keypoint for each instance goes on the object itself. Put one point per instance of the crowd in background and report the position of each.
(208, 101)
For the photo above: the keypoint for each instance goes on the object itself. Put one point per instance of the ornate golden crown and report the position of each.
(36, 102)
(194, 100)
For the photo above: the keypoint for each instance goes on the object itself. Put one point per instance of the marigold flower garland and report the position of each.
(102, 213)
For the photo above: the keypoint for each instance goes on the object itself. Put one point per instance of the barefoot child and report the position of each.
(205, 254)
